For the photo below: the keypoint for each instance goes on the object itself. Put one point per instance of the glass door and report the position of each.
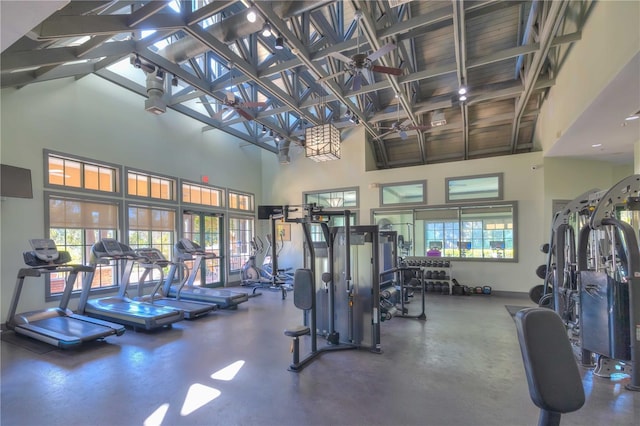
(205, 229)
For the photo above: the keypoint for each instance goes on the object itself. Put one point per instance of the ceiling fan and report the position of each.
(232, 102)
(360, 61)
(401, 129)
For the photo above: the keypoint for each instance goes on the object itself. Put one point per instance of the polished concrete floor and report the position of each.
(460, 367)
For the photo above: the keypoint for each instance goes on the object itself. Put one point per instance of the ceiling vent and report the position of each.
(437, 118)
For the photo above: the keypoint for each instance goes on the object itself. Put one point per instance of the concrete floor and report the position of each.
(460, 367)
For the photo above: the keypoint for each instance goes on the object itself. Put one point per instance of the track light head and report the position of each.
(279, 43)
(266, 30)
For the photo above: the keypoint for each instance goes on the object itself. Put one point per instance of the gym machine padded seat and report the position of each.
(552, 373)
(303, 298)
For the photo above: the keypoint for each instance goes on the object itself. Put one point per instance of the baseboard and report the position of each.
(512, 294)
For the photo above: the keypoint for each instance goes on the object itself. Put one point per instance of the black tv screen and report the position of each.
(265, 212)
(15, 182)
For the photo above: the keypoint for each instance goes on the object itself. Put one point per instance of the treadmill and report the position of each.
(152, 258)
(188, 250)
(59, 326)
(120, 308)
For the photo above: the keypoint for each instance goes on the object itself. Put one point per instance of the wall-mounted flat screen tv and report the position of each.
(15, 182)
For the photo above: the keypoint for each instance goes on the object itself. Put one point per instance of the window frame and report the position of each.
(223, 195)
(500, 195)
(84, 161)
(356, 189)
(252, 201)
(48, 195)
(399, 184)
(172, 179)
(413, 212)
(135, 274)
(230, 251)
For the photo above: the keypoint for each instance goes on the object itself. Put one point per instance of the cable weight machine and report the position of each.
(338, 289)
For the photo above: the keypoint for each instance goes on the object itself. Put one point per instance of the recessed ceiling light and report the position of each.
(596, 145)
(462, 91)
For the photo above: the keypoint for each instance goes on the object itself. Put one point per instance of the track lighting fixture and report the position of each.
(278, 138)
(266, 30)
(270, 133)
(174, 81)
(264, 130)
(279, 43)
(137, 63)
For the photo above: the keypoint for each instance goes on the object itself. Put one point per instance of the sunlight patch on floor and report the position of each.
(198, 396)
(229, 372)
(156, 418)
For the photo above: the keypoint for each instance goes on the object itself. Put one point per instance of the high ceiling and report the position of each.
(414, 58)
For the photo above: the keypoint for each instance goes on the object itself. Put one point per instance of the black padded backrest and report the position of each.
(303, 289)
(554, 381)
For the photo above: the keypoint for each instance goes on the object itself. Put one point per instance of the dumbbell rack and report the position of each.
(436, 273)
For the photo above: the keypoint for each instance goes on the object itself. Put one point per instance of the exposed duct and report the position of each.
(283, 151)
(155, 90)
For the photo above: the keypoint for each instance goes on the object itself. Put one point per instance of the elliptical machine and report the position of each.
(254, 276)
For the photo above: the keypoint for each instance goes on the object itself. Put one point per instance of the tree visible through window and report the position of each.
(240, 236)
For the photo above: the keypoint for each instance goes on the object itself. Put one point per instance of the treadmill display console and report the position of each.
(112, 247)
(44, 249)
(151, 254)
(188, 245)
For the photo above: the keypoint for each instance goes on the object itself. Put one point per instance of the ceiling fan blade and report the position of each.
(357, 81)
(218, 115)
(340, 56)
(382, 51)
(330, 76)
(244, 113)
(386, 70)
(252, 104)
